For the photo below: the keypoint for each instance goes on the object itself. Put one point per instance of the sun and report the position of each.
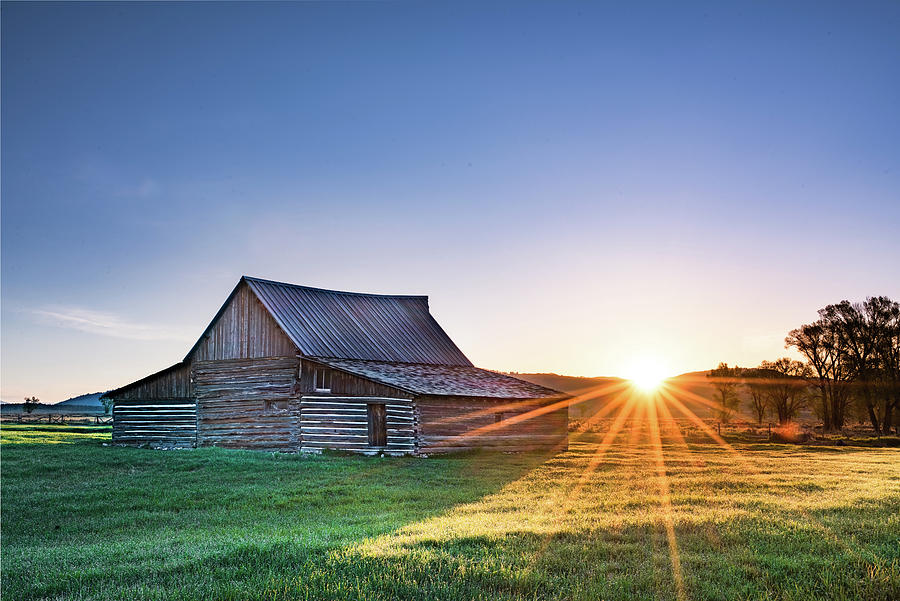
(647, 373)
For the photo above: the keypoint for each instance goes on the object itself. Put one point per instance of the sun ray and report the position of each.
(669, 386)
(637, 420)
(752, 469)
(528, 415)
(604, 445)
(601, 413)
(679, 437)
(582, 397)
(630, 403)
(594, 462)
(697, 421)
(680, 441)
(666, 501)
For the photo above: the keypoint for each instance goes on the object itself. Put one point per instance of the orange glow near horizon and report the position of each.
(647, 373)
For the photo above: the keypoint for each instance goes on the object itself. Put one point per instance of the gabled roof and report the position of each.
(389, 339)
(443, 380)
(351, 325)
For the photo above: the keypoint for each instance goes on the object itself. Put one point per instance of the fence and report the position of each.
(57, 418)
(690, 431)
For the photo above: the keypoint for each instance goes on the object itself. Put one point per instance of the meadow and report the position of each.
(614, 519)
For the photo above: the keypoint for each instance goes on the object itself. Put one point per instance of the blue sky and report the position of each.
(574, 184)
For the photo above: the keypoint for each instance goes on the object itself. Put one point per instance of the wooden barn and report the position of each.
(292, 368)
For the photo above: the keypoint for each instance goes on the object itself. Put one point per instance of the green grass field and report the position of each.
(84, 521)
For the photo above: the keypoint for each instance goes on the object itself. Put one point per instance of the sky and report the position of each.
(577, 186)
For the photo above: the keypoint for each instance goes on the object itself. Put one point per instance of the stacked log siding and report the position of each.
(339, 422)
(248, 403)
(164, 423)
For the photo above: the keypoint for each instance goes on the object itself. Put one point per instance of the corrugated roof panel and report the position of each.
(350, 325)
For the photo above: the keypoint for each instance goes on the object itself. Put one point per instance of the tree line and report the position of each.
(851, 365)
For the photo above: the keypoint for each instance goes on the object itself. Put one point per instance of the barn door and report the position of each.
(377, 424)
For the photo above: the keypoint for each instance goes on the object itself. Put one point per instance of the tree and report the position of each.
(884, 316)
(753, 383)
(784, 387)
(31, 403)
(853, 352)
(818, 343)
(726, 381)
(855, 337)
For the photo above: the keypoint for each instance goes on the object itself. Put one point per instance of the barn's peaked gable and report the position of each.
(243, 328)
(351, 325)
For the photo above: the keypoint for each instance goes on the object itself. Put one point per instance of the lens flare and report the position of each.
(647, 373)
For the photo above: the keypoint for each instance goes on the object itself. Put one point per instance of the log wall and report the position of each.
(244, 330)
(248, 403)
(341, 422)
(446, 424)
(163, 423)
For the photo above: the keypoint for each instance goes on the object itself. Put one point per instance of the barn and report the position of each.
(283, 367)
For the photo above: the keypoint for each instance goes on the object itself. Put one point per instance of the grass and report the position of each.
(53, 434)
(84, 521)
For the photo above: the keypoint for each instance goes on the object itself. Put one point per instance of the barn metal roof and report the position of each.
(443, 380)
(351, 325)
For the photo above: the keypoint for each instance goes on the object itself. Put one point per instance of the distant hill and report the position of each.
(84, 404)
(84, 400)
(685, 388)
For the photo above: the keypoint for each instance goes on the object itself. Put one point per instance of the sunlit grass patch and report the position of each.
(52, 433)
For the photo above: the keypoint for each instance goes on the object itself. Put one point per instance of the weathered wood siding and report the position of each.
(244, 330)
(446, 424)
(341, 422)
(248, 403)
(165, 423)
(346, 384)
(171, 383)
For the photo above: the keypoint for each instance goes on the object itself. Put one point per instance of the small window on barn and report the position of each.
(498, 417)
(276, 406)
(322, 380)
